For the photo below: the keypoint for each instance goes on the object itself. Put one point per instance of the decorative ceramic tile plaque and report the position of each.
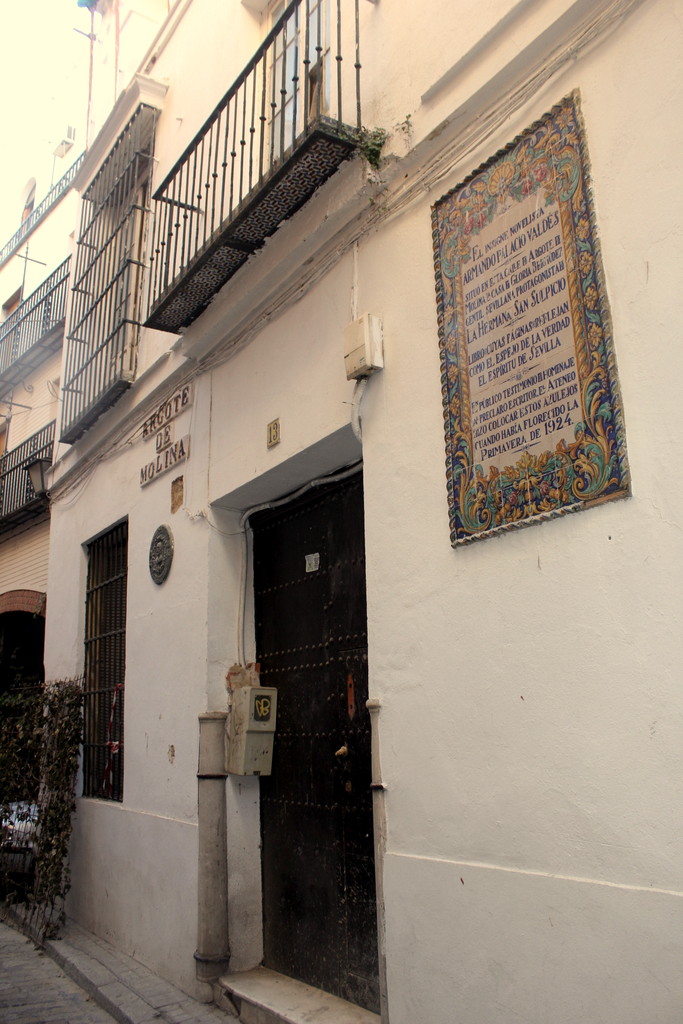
(532, 410)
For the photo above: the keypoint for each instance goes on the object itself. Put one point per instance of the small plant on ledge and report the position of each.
(370, 142)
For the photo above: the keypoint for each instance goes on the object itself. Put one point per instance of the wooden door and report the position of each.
(316, 810)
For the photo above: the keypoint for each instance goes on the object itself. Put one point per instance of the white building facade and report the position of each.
(34, 293)
(471, 813)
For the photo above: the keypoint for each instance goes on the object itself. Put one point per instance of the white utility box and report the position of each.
(363, 353)
(252, 730)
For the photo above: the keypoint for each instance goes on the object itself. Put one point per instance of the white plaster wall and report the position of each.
(531, 709)
(530, 723)
(135, 885)
(134, 865)
(427, 67)
(292, 371)
(497, 945)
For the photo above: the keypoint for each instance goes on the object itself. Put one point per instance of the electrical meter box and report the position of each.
(363, 348)
(252, 730)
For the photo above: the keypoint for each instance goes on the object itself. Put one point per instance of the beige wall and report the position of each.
(36, 401)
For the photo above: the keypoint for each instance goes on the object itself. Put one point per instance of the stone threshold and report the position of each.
(262, 996)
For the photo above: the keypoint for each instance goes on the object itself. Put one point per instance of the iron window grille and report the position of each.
(105, 661)
(107, 280)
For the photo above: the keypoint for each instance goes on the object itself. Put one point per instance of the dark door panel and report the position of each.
(316, 807)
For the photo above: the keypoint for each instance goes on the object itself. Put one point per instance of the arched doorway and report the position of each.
(22, 638)
(22, 635)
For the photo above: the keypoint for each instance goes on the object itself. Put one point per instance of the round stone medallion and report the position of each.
(161, 554)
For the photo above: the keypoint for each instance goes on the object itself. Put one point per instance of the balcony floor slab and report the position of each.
(311, 162)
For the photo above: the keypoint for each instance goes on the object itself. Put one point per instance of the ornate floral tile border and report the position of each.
(532, 410)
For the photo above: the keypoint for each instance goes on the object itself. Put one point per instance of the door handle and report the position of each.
(342, 752)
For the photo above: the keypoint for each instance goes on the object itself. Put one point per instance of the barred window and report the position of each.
(107, 279)
(105, 662)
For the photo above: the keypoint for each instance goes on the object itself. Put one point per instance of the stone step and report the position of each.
(262, 996)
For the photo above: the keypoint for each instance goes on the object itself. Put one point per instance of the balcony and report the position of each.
(35, 329)
(276, 136)
(33, 220)
(106, 282)
(18, 500)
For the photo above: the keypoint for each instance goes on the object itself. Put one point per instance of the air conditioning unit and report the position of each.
(67, 142)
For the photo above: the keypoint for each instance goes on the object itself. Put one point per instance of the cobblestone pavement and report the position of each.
(81, 979)
(34, 990)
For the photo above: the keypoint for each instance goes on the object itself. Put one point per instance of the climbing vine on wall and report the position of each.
(40, 734)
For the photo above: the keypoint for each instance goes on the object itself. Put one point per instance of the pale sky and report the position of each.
(43, 85)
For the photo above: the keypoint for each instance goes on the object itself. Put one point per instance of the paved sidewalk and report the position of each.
(33, 990)
(102, 985)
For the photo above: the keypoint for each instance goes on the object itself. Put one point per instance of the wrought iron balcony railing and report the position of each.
(32, 221)
(278, 133)
(106, 281)
(18, 500)
(35, 328)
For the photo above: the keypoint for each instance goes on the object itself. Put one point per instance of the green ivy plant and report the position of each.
(40, 734)
(405, 127)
